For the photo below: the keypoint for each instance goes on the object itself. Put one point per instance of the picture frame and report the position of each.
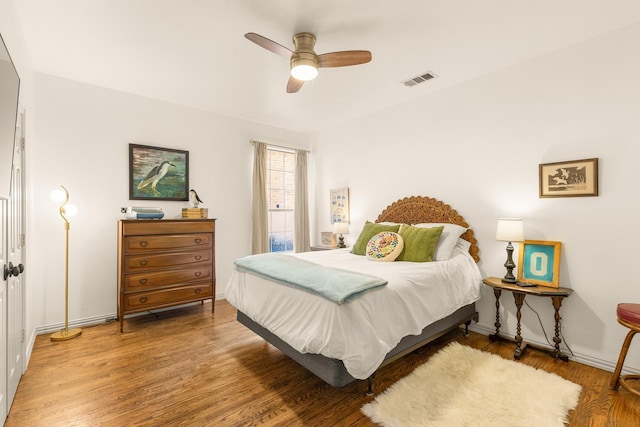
(327, 238)
(539, 263)
(339, 205)
(171, 168)
(573, 178)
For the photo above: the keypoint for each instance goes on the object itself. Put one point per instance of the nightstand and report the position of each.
(519, 294)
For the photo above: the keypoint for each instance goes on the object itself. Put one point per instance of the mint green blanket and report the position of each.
(334, 284)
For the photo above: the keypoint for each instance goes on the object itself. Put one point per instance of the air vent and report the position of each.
(419, 79)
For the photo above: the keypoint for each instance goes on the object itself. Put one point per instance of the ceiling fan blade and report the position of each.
(294, 85)
(344, 58)
(269, 44)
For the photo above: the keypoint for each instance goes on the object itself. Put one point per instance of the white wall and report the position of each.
(81, 142)
(478, 146)
(12, 36)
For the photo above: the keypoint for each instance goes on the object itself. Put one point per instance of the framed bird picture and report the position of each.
(157, 173)
(569, 179)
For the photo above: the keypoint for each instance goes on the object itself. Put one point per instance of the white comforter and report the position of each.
(363, 331)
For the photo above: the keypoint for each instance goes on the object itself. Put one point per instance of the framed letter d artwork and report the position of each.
(539, 263)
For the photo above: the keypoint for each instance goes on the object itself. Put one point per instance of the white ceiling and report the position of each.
(194, 53)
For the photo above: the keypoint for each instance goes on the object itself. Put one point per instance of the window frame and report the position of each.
(286, 235)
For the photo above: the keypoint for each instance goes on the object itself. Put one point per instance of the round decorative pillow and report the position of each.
(385, 246)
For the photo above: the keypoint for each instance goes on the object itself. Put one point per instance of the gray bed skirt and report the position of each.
(333, 372)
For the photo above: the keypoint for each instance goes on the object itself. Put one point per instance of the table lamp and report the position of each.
(510, 230)
(341, 228)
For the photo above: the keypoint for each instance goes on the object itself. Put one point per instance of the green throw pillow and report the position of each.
(419, 243)
(369, 230)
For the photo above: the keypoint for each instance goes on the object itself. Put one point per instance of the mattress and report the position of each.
(360, 332)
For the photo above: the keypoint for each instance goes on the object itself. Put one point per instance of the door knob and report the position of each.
(12, 270)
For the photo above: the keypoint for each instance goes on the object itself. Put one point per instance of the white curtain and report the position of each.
(260, 238)
(301, 240)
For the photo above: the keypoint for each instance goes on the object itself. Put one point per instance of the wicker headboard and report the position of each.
(416, 210)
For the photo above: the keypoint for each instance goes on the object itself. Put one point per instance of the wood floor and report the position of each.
(188, 367)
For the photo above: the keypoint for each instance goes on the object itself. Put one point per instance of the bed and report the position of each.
(343, 342)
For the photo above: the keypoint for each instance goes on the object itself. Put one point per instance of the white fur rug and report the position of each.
(462, 386)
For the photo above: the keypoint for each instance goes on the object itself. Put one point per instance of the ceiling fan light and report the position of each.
(304, 66)
(304, 72)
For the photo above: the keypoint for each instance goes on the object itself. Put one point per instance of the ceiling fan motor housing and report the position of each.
(304, 42)
(304, 62)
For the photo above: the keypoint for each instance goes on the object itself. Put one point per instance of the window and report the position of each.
(281, 166)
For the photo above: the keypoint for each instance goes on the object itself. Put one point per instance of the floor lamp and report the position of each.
(62, 195)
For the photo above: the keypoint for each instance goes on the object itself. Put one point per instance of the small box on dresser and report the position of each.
(163, 263)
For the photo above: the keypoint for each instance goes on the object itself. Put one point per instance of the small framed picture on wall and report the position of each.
(339, 202)
(569, 179)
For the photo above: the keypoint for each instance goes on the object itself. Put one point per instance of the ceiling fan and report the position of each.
(304, 61)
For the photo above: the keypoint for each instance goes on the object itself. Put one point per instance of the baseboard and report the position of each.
(103, 318)
(78, 323)
(585, 359)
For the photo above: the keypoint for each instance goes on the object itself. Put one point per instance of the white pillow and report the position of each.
(463, 245)
(448, 239)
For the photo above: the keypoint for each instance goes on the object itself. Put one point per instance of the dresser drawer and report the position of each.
(158, 279)
(141, 300)
(137, 244)
(141, 227)
(139, 263)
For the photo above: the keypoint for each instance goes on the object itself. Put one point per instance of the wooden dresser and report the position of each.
(162, 263)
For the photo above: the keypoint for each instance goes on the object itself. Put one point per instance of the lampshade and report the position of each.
(62, 195)
(510, 230)
(340, 228)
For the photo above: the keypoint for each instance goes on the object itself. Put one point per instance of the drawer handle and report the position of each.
(143, 262)
(198, 273)
(143, 281)
(198, 257)
(143, 243)
(197, 290)
(198, 240)
(143, 299)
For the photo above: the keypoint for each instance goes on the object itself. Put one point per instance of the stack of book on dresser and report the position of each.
(195, 213)
(144, 213)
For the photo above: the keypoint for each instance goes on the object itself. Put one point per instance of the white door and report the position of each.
(16, 283)
(4, 260)
(12, 290)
